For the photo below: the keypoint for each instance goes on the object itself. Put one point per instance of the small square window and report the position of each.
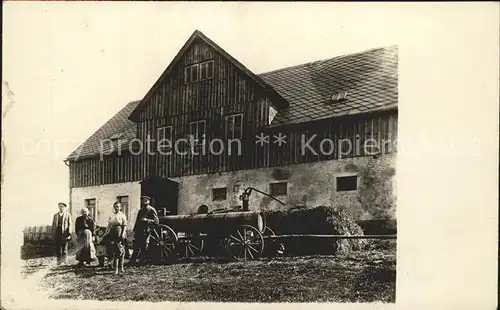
(124, 202)
(347, 183)
(278, 189)
(198, 129)
(91, 205)
(234, 126)
(339, 96)
(219, 194)
(164, 138)
(242, 90)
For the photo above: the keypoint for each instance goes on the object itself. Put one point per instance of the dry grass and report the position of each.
(364, 276)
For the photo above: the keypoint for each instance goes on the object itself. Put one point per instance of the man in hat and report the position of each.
(61, 235)
(146, 216)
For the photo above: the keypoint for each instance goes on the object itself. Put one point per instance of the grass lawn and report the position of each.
(364, 276)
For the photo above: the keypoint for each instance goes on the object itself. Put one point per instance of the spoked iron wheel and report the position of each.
(162, 244)
(245, 243)
(268, 231)
(191, 246)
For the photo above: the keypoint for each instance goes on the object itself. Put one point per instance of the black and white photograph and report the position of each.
(198, 152)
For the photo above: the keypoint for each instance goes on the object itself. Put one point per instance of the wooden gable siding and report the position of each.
(254, 114)
(127, 167)
(175, 97)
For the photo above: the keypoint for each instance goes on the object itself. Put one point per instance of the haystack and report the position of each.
(321, 220)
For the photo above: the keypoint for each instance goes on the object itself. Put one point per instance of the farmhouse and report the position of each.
(209, 127)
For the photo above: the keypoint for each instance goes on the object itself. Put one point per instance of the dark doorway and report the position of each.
(164, 194)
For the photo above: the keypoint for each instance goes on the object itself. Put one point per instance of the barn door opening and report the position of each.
(164, 194)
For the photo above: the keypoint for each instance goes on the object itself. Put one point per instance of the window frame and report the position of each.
(276, 184)
(164, 128)
(92, 209)
(346, 175)
(187, 74)
(118, 198)
(116, 136)
(209, 73)
(233, 122)
(202, 142)
(339, 96)
(193, 78)
(271, 114)
(214, 195)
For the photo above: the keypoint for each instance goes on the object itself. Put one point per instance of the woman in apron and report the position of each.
(84, 228)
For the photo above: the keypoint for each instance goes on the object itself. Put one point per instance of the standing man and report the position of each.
(61, 224)
(146, 216)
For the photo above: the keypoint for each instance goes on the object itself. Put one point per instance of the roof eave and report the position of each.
(387, 108)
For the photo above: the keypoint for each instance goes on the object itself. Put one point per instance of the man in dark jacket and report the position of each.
(61, 223)
(146, 216)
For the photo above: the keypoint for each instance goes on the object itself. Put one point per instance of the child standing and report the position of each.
(101, 248)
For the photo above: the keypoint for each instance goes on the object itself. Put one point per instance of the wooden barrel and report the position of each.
(215, 223)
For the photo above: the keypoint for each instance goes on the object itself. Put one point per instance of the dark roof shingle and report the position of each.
(117, 124)
(370, 78)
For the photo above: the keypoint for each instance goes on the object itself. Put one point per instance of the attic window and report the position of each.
(199, 72)
(339, 96)
(198, 130)
(117, 136)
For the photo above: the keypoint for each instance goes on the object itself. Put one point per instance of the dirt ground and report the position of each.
(362, 276)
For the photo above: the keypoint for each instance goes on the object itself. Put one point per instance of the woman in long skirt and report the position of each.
(85, 249)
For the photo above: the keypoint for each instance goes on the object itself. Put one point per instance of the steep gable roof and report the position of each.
(277, 98)
(370, 79)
